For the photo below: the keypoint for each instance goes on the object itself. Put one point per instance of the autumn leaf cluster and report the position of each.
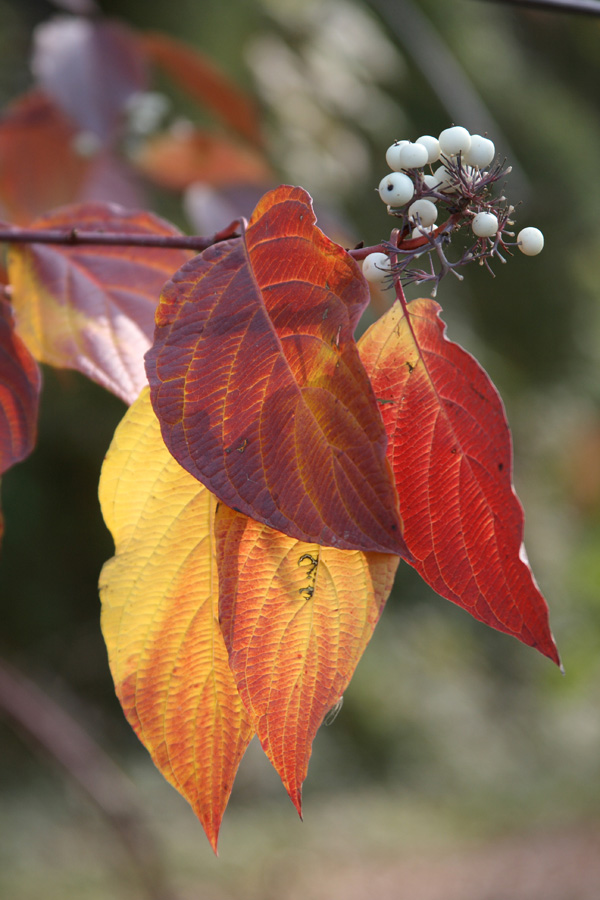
(271, 472)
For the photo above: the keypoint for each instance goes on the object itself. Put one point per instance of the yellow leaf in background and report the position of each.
(160, 620)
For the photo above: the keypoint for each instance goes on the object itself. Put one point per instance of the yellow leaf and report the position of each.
(160, 622)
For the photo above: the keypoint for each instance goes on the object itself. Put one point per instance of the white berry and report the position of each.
(443, 179)
(413, 155)
(424, 211)
(431, 182)
(376, 267)
(530, 241)
(432, 146)
(421, 230)
(480, 153)
(392, 156)
(485, 224)
(421, 233)
(454, 140)
(396, 189)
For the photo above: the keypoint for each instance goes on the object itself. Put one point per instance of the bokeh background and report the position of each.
(462, 764)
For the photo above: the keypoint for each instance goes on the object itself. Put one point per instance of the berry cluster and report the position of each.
(460, 188)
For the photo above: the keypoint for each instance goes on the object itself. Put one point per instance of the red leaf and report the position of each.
(259, 388)
(19, 394)
(39, 167)
(451, 452)
(91, 69)
(91, 308)
(296, 619)
(206, 83)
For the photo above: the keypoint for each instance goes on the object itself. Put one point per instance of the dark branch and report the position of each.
(72, 237)
(582, 7)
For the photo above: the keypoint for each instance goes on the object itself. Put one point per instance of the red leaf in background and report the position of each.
(259, 388)
(205, 82)
(451, 452)
(39, 166)
(19, 394)
(90, 68)
(296, 619)
(91, 308)
(176, 160)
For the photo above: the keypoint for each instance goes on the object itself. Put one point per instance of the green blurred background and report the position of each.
(462, 764)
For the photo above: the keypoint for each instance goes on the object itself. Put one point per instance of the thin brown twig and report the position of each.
(73, 237)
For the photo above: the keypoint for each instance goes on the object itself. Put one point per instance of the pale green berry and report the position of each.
(412, 156)
(485, 224)
(454, 140)
(376, 267)
(392, 156)
(433, 147)
(396, 189)
(424, 211)
(480, 153)
(530, 241)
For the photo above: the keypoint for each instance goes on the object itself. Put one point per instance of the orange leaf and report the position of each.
(159, 618)
(259, 387)
(205, 82)
(176, 160)
(296, 619)
(451, 452)
(91, 308)
(39, 167)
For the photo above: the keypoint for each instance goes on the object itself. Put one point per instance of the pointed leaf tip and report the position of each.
(451, 452)
(259, 388)
(296, 618)
(160, 618)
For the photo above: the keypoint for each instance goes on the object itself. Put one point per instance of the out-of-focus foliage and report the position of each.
(450, 727)
(92, 308)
